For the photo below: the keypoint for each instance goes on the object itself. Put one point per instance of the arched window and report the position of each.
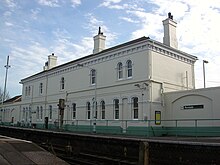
(88, 108)
(29, 90)
(26, 91)
(135, 107)
(41, 88)
(129, 68)
(102, 105)
(41, 113)
(62, 83)
(116, 108)
(23, 114)
(96, 109)
(93, 76)
(120, 70)
(38, 112)
(50, 112)
(74, 111)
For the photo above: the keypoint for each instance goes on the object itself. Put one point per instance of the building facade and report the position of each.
(124, 82)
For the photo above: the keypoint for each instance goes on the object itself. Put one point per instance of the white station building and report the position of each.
(129, 87)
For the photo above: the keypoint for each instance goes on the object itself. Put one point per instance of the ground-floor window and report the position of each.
(88, 108)
(102, 104)
(74, 111)
(116, 108)
(135, 107)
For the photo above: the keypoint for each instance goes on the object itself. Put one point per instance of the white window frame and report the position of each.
(120, 71)
(135, 108)
(92, 76)
(73, 111)
(88, 111)
(102, 107)
(129, 69)
(116, 109)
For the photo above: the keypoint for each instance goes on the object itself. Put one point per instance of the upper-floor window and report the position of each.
(29, 90)
(120, 70)
(135, 107)
(116, 108)
(102, 105)
(74, 111)
(129, 68)
(62, 83)
(93, 76)
(88, 110)
(50, 112)
(26, 91)
(41, 88)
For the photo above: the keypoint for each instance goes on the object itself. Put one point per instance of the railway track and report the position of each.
(86, 158)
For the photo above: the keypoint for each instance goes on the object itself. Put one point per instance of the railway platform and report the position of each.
(21, 152)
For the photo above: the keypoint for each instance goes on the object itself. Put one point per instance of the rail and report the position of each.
(149, 128)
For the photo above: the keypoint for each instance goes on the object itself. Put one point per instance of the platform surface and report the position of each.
(20, 152)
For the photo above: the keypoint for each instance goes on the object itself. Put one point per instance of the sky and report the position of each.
(30, 30)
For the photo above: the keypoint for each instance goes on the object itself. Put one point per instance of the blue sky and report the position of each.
(30, 30)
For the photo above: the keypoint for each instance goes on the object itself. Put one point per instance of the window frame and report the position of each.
(88, 111)
(129, 69)
(102, 107)
(50, 115)
(41, 88)
(62, 83)
(73, 111)
(120, 71)
(135, 108)
(93, 77)
(116, 109)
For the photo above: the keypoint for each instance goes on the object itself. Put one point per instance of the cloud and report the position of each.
(94, 23)
(10, 3)
(9, 24)
(35, 13)
(75, 3)
(129, 19)
(108, 3)
(49, 3)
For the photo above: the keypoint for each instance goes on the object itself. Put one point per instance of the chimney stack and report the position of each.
(52, 62)
(169, 38)
(99, 42)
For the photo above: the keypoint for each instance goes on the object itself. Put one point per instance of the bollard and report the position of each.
(143, 153)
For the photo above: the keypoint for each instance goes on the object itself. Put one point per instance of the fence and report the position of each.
(147, 128)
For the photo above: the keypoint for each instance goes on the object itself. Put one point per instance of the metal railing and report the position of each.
(149, 128)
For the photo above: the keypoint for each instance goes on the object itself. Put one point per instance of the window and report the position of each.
(74, 111)
(29, 91)
(88, 110)
(38, 112)
(41, 113)
(62, 81)
(116, 108)
(41, 88)
(93, 76)
(50, 112)
(129, 68)
(26, 91)
(23, 114)
(120, 70)
(135, 107)
(95, 109)
(102, 104)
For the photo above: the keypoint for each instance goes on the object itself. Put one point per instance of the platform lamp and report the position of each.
(204, 62)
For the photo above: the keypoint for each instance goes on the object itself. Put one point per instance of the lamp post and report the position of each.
(204, 62)
(94, 107)
(7, 66)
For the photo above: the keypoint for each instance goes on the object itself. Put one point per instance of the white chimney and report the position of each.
(99, 42)
(52, 62)
(169, 38)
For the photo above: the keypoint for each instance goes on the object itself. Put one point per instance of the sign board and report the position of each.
(190, 107)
